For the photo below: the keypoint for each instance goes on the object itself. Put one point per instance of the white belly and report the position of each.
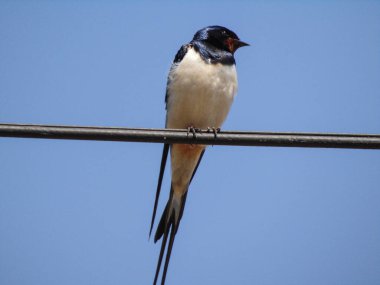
(200, 94)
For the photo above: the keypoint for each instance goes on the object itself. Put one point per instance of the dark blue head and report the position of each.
(219, 37)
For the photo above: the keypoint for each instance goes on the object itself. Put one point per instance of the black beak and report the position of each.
(233, 44)
(239, 43)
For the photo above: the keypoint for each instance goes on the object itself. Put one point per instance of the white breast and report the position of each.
(199, 94)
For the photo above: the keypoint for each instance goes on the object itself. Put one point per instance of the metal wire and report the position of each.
(316, 140)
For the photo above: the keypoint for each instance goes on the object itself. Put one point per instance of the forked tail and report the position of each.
(169, 222)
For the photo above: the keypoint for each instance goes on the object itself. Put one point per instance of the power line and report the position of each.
(231, 138)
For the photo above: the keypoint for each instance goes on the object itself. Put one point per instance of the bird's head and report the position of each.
(220, 37)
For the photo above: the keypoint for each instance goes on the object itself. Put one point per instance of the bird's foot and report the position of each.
(193, 130)
(213, 130)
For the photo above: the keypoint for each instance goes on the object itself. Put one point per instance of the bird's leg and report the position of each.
(214, 130)
(193, 131)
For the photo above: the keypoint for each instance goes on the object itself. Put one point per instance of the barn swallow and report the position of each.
(201, 86)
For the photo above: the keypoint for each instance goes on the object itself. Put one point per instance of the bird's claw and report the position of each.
(213, 130)
(193, 130)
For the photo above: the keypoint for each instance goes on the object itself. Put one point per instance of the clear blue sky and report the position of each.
(78, 212)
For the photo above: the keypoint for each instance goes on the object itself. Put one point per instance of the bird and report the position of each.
(201, 86)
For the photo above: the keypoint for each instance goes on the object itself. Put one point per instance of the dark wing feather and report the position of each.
(160, 177)
(181, 53)
(177, 59)
(169, 223)
(196, 167)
